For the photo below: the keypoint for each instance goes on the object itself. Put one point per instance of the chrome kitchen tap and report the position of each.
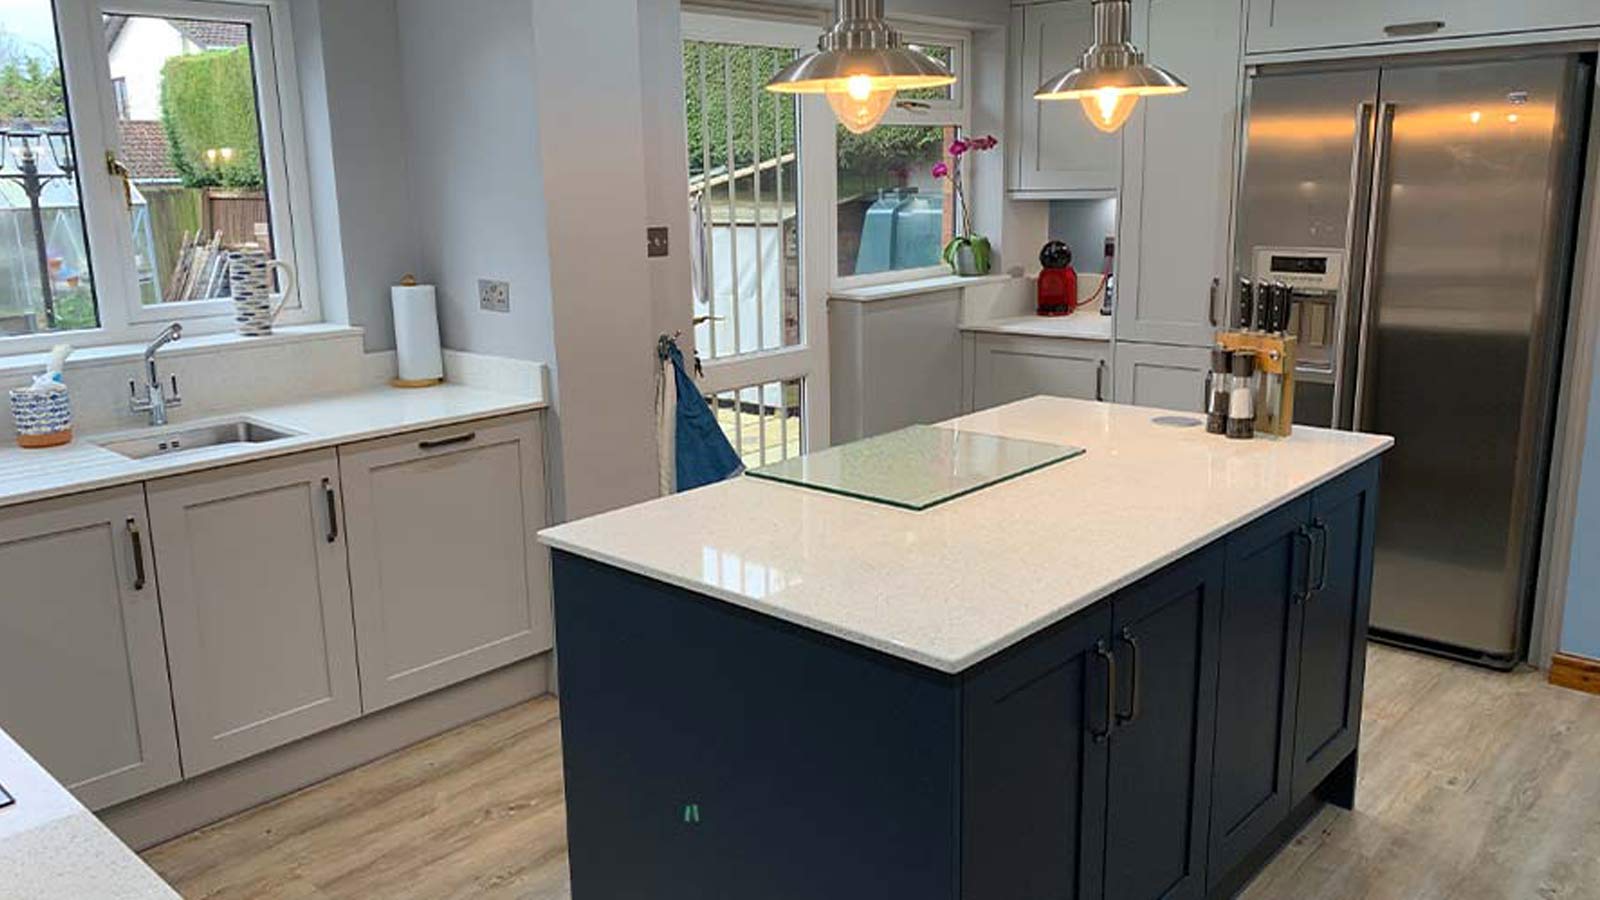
(156, 400)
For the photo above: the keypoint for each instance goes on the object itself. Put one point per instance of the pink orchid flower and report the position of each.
(940, 170)
(958, 147)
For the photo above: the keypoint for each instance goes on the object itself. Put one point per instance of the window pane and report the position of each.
(45, 280)
(943, 53)
(743, 199)
(762, 421)
(893, 214)
(190, 131)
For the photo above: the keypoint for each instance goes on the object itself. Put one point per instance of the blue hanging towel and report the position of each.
(702, 453)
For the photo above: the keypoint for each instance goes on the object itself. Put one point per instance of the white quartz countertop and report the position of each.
(1085, 325)
(949, 586)
(52, 848)
(316, 422)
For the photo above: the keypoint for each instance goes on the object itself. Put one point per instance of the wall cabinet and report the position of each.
(1177, 190)
(1055, 151)
(255, 593)
(1012, 367)
(1161, 375)
(448, 580)
(80, 615)
(1281, 25)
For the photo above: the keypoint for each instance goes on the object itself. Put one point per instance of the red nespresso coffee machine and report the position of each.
(1058, 283)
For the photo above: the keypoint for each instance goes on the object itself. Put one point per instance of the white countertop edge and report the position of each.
(956, 665)
(890, 290)
(137, 471)
(1077, 331)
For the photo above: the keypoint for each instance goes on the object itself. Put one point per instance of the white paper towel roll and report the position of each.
(416, 333)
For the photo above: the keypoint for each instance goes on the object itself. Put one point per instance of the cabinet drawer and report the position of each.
(1007, 368)
(1280, 25)
(447, 578)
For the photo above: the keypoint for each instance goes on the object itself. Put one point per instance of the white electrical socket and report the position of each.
(494, 296)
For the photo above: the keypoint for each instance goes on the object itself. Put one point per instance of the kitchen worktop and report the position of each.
(1086, 325)
(52, 848)
(316, 422)
(950, 586)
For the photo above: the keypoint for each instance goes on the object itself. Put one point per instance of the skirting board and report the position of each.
(177, 810)
(1576, 672)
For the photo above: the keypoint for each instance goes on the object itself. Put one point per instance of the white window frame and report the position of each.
(941, 113)
(107, 221)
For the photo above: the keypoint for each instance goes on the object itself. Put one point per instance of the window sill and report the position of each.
(893, 289)
(121, 354)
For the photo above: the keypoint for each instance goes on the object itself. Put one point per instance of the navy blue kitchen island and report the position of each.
(1160, 741)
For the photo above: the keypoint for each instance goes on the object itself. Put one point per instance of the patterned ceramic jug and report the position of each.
(255, 306)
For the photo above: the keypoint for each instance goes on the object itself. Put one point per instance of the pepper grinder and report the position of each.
(1217, 389)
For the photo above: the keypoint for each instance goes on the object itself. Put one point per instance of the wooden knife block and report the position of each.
(1275, 355)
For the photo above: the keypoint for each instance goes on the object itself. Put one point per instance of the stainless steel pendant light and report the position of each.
(860, 63)
(1112, 75)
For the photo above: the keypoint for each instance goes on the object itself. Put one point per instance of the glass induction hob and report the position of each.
(918, 467)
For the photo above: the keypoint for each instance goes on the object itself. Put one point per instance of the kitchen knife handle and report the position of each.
(1134, 688)
(137, 541)
(1247, 303)
(1104, 652)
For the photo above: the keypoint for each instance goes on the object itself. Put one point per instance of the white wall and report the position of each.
(363, 212)
(143, 47)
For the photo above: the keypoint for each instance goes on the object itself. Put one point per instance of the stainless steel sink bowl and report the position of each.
(180, 440)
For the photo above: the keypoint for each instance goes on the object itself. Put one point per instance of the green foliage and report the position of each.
(736, 71)
(208, 101)
(29, 91)
(75, 309)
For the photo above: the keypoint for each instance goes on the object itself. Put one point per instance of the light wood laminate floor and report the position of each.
(1473, 785)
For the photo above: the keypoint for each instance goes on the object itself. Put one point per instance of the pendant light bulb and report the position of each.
(859, 107)
(1108, 109)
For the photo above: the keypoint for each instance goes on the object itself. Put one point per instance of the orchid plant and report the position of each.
(966, 253)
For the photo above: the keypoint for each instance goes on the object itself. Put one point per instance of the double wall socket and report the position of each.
(494, 296)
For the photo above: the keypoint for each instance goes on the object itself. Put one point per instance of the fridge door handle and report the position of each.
(1354, 227)
(1369, 264)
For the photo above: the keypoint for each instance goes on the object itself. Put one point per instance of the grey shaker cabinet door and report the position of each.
(1164, 376)
(78, 619)
(1056, 151)
(1015, 367)
(448, 579)
(1279, 25)
(256, 597)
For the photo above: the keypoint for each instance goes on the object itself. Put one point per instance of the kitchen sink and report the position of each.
(180, 440)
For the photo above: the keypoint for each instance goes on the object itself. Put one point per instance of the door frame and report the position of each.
(807, 360)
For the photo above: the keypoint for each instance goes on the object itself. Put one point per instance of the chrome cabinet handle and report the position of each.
(1413, 29)
(1134, 688)
(1100, 381)
(1302, 533)
(447, 442)
(1104, 652)
(333, 510)
(137, 541)
(1211, 304)
(1321, 528)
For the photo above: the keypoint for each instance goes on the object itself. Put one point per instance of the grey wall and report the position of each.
(1580, 633)
(472, 133)
(1083, 224)
(348, 55)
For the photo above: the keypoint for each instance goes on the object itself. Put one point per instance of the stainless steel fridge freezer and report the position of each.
(1424, 212)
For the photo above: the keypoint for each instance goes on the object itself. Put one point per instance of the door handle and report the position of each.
(1413, 29)
(1321, 528)
(1354, 291)
(447, 442)
(1135, 689)
(1303, 533)
(1369, 267)
(333, 510)
(137, 541)
(1211, 304)
(1104, 652)
(1100, 381)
